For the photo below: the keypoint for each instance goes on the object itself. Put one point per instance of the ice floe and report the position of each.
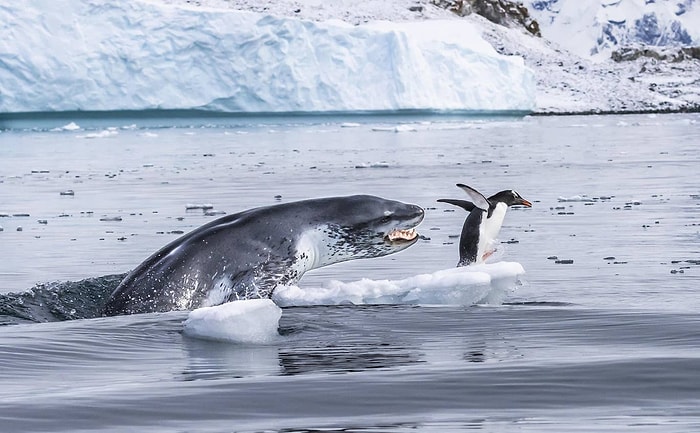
(469, 285)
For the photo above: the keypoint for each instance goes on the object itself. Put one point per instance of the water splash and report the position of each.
(56, 301)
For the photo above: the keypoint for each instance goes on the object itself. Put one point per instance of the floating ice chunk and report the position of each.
(110, 132)
(469, 285)
(202, 206)
(349, 125)
(405, 128)
(214, 212)
(248, 321)
(69, 127)
(396, 128)
(577, 198)
(373, 165)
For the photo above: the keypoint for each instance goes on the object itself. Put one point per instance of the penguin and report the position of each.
(483, 223)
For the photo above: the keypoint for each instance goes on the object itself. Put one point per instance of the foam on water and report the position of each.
(246, 321)
(469, 285)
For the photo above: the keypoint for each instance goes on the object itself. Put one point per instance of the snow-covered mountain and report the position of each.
(597, 27)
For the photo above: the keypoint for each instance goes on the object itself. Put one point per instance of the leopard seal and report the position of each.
(248, 254)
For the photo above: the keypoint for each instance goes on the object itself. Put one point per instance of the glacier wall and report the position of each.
(61, 55)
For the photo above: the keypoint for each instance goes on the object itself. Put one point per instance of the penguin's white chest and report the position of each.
(488, 231)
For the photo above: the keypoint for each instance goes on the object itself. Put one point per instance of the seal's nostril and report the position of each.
(418, 210)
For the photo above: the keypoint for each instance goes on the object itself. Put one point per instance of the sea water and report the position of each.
(600, 332)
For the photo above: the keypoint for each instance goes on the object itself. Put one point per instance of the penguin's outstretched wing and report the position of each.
(477, 198)
(466, 205)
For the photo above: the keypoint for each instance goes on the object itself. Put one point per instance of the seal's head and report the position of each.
(364, 226)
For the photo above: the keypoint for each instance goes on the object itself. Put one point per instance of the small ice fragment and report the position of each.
(214, 212)
(405, 128)
(396, 128)
(109, 132)
(576, 198)
(116, 218)
(203, 206)
(70, 127)
(349, 125)
(247, 321)
(383, 129)
(381, 164)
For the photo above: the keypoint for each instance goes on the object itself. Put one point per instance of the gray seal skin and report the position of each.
(246, 255)
(483, 223)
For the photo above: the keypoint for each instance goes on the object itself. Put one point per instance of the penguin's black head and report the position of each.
(510, 198)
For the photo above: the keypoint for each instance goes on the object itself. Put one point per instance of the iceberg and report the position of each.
(90, 55)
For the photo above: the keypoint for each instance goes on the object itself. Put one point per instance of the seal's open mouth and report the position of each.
(401, 235)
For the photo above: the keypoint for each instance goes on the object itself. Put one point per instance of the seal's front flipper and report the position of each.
(466, 205)
(477, 198)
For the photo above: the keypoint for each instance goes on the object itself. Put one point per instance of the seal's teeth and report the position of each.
(406, 235)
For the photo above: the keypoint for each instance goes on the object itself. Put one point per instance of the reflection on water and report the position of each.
(209, 360)
(344, 341)
(347, 358)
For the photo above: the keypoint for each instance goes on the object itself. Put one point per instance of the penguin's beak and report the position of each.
(525, 203)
